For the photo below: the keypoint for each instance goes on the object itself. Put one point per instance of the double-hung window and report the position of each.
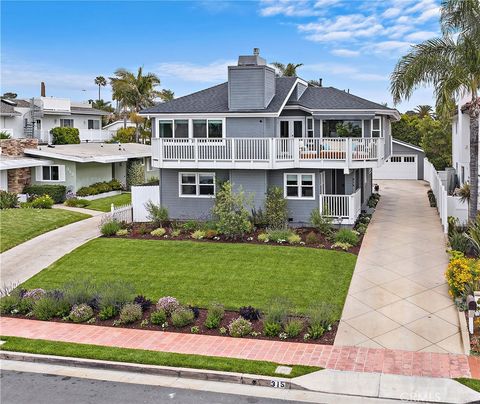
(66, 123)
(201, 185)
(299, 186)
(309, 127)
(93, 124)
(51, 173)
(376, 127)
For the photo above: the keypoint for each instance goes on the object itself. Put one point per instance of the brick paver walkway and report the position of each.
(359, 359)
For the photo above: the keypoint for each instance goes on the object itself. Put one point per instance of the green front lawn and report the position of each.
(199, 273)
(20, 225)
(97, 352)
(103, 204)
(474, 384)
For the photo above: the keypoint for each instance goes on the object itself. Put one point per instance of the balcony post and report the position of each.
(349, 151)
(234, 140)
(296, 152)
(351, 209)
(272, 150)
(195, 150)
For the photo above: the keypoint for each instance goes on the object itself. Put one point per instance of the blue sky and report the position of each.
(350, 44)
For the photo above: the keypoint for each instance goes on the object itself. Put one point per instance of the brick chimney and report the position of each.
(42, 89)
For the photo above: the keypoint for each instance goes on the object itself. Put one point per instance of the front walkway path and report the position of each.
(358, 359)
(398, 298)
(25, 260)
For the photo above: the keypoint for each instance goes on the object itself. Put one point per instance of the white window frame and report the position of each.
(197, 184)
(94, 120)
(379, 130)
(299, 186)
(190, 126)
(307, 131)
(67, 119)
(291, 120)
(61, 173)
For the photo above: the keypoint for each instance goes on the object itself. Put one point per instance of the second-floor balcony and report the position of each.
(268, 153)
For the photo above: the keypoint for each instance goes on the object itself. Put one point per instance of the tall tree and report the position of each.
(289, 69)
(451, 64)
(167, 95)
(100, 81)
(423, 110)
(134, 92)
(9, 95)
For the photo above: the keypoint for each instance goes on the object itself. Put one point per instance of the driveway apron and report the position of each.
(398, 297)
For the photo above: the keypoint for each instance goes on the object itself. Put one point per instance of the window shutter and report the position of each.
(38, 173)
(61, 173)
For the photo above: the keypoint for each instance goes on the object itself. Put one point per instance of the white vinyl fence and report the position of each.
(142, 195)
(121, 213)
(431, 175)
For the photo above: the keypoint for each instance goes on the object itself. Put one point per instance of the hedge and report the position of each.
(57, 192)
(100, 188)
(65, 135)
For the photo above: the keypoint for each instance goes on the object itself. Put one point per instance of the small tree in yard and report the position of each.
(135, 174)
(231, 212)
(276, 208)
(157, 214)
(321, 221)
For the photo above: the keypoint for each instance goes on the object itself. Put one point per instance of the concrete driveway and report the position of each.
(398, 298)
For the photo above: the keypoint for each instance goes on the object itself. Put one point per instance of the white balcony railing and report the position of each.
(86, 135)
(344, 208)
(266, 152)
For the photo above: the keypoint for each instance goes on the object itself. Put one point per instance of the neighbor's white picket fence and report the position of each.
(122, 213)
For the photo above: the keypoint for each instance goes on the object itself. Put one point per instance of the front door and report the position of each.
(291, 127)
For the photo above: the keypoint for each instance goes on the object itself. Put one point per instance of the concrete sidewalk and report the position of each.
(398, 297)
(25, 260)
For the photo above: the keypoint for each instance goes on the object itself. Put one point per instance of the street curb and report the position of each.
(199, 374)
(464, 332)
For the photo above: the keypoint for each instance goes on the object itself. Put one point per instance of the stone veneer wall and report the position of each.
(18, 178)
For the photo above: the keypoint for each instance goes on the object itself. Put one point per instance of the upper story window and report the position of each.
(93, 124)
(165, 129)
(66, 123)
(310, 127)
(207, 128)
(342, 128)
(376, 127)
(299, 186)
(201, 185)
(181, 128)
(190, 128)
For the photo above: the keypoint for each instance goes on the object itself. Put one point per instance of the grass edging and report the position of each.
(473, 384)
(146, 357)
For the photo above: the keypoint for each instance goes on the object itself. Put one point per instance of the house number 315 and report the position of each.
(279, 384)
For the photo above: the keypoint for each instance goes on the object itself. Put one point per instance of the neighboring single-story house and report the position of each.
(81, 165)
(119, 124)
(405, 163)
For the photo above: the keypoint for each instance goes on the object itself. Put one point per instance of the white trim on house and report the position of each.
(197, 184)
(39, 173)
(299, 186)
(410, 146)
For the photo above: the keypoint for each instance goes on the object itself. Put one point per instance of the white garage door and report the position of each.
(397, 167)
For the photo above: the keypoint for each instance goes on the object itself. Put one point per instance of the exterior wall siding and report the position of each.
(252, 182)
(70, 174)
(246, 88)
(250, 127)
(89, 173)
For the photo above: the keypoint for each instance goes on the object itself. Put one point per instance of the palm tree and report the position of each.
(315, 83)
(289, 70)
(134, 92)
(167, 95)
(423, 111)
(451, 64)
(100, 81)
(103, 105)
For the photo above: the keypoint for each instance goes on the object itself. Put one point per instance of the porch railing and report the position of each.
(86, 135)
(268, 150)
(344, 208)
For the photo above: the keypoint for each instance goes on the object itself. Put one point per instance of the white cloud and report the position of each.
(420, 35)
(345, 52)
(428, 14)
(391, 12)
(323, 3)
(210, 73)
(389, 46)
(289, 8)
(343, 70)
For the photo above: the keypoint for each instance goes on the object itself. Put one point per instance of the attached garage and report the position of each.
(405, 163)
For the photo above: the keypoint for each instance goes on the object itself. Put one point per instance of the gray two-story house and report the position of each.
(319, 144)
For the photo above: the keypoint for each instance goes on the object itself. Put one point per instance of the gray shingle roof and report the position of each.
(6, 109)
(333, 98)
(215, 100)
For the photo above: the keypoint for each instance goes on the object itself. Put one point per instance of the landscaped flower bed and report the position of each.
(109, 305)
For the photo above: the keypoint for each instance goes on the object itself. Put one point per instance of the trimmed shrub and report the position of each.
(158, 232)
(249, 313)
(130, 313)
(122, 232)
(65, 135)
(198, 235)
(116, 294)
(110, 228)
(182, 316)
(276, 210)
(8, 200)
(157, 214)
(50, 306)
(346, 236)
(215, 315)
(100, 188)
(462, 272)
(176, 233)
(311, 238)
(315, 331)
(168, 303)
(76, 203)
(10, 303)
(107, 312)
(143, 302)
(42, 202)
(34, 294)
(240, 327)
(210, 234)
(321, 221)
(56, 192)
(278, 310)
(158, 317)
(293, 328)
(459, 241)
(343, 246)
(81, 291)
(191, 225)
(294, 239)
(271, 329)
(322, 315)
(124, 135)
(135, 174)
(230, 210)
(81, 313)
(280, 236)
(263, 237)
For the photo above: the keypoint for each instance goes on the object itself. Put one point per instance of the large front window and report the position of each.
(66, 123)
(342, 128)
(207, 128)
(299, 186)
(197, 185)
(93, 124)
(51, 173)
